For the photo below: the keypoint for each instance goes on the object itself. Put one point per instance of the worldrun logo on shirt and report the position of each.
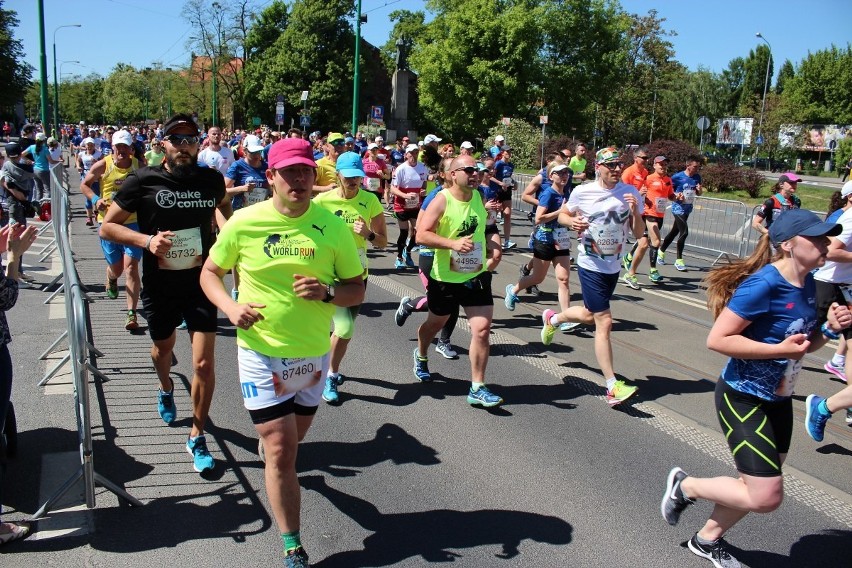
(279, 246)
(168, 199)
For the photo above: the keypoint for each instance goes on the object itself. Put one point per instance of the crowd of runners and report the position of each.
(292, 218)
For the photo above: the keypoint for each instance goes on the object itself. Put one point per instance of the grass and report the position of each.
(814, 197)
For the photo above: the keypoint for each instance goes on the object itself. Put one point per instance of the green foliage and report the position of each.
(124, 95)
(409, 27)
(843, 152)
(677, 152)
(683, 97)
(724, 176)
(523, 138)
(734, 77)
(755, 75)
(784, 74)
(16, 74)
(266, 28)
(821, 90)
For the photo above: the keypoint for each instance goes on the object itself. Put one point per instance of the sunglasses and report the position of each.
(612, 165)
(642, 157)
(338, 143)
(469, 170)
(182, 139)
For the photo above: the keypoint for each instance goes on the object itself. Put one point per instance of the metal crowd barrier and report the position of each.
(80, 352)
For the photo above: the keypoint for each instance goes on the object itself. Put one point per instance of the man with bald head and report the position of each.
(453, 224)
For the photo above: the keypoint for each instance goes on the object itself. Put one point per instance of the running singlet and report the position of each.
(411, 180)
(220, 160)
(373, 169)
(242, 173)
(839, 272)
(635, 176)
(364, 205)
(659, 193)
(112, 181)
(684, 184)
(88, 160)
(461, 219)
(552, 232)
(183, 205)
(776, 310)
(608, 215)
(268, 248)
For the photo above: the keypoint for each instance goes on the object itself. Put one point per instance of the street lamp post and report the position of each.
(765, 86)
(56, 79)
(356, 79)
(56, 104)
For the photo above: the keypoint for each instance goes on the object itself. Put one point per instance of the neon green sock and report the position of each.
(292, 541)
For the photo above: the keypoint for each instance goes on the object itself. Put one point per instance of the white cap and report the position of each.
(372, 146)
(122, 137)
(252, 143)
(379, 139)
(83, 122)
(41, 136)
(847, 189)
(412, 148)
(467, 145)
(87, 140)
(499, 138)
(431, 138)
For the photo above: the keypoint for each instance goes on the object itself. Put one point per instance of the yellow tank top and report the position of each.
(111, 182)
(461, 219)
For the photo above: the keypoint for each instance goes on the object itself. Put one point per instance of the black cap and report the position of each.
(180, 120)
(27, 128)
(13, 149)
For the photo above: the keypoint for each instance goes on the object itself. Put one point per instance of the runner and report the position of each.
(111, 173)
(657, 191)
(551, 244)
(686, 184)
(601, 212)
(215, 155)
(364, 215)
(175, 204)
(502, 177)
(840, 203)
(577, 163)
(155, 156)
(334, 145)
(454, 225)
(378, 172)
(86, 158)
(783, 199)
(765, 321)
(408, 188)
(290, 253)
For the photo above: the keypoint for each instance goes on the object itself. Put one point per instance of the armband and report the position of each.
(826, 331)
(148, 243)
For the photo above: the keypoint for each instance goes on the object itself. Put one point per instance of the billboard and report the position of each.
(734, 130)
(813, 137)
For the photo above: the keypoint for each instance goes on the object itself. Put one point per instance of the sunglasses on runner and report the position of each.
(612, 165)
(469, 170)
(182, 139)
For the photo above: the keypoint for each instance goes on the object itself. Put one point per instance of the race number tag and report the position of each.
(467, 261)
(562, 238)
(688, 195)
(492, 217)
(185, 252)
(373, 184)
(608, 237)
(292, 375)
(788, 381)
(412, 200)
(847, 293)
(660, 204)
(256, 195)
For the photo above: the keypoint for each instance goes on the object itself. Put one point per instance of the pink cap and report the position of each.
(291, 152)
(791, 177)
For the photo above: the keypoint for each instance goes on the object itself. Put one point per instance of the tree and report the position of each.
(755, 75)
(16, 74)
(734, 76)
(686, 96)
(821, 89)
(124, 94)
(784, 74)
(409, 27)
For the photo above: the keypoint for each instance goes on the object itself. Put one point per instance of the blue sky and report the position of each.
(709, 34)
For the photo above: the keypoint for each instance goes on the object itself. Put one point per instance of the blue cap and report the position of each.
(801, 222)
(349, 139)
(349, 165)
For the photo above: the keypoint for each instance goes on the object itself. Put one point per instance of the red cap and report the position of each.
(290, 152)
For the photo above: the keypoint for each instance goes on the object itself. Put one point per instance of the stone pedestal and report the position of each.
(398, 119)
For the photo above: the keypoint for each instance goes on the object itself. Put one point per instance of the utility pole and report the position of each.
(356, 78)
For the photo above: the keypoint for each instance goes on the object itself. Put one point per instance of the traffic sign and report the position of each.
(703, 123)
(542, 119)
(759, 140)
(279, 119)
(506, 121)
(598, 133)
(377, 114)
(255, 121)
(305, 120)
(279, 99)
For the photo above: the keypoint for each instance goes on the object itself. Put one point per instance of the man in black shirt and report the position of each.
(175, 205)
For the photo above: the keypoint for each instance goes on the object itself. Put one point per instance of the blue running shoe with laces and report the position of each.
(296, 559)
(511, 299)
(409, 262)
(166, 405)
(483, 397)
(815, 418)
(201, 459)
(421, 368)
(329, 393)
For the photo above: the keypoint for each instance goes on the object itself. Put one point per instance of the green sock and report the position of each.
(292, 541)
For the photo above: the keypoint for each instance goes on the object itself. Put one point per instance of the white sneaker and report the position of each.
(446, 349)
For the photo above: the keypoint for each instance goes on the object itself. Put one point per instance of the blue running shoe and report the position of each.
(201, 459)
(329, 393)
(483, 397)
(421, 368)
(409, 262)
(399, 264)
(166, 405)
(815, 418)
(182, 325)
(511, 299)
(296, 559)
(402, 312)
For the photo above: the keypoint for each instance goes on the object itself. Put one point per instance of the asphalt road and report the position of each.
(402, 473)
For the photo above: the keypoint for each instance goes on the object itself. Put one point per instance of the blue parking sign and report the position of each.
(377, 114)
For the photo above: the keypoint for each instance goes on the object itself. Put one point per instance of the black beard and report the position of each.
(182, 170)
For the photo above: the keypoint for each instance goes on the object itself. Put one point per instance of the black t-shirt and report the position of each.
(164, 202)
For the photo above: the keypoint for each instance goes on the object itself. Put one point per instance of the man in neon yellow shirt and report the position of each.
(297, 263)
(454, 225)
(365, 217)
(578, 164)
(326, 172)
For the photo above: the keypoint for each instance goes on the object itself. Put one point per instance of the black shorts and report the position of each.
(757, 430)
(547, 251)
(492, 230)
(826, 294)
(504, 195)
(407, 215)
(289, 406)
(165, 308)
(649, 219)
(445, 298)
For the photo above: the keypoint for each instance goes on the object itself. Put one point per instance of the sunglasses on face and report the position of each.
(182, 139)
(612, 165)
(642, 157)
(469, 170)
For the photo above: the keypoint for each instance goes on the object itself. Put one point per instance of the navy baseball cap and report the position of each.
(801, 222)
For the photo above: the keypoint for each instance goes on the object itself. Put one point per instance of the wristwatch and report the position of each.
(329, 294)
(372, 237)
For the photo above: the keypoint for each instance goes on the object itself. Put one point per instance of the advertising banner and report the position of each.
(734, 130)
